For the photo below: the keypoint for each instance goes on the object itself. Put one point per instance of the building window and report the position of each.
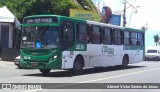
(107, 36)
(82, 36)
(96, 36)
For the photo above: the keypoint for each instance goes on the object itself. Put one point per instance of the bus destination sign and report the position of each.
(41, 20)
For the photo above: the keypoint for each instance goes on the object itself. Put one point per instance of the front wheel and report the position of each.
(45, 71)
(78, 66)
(19, 66)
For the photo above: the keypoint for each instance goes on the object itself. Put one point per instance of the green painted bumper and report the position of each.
(51, 64)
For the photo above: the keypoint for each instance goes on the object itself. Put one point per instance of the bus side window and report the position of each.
(140, 39)
(116, 37)
(96, 35)
(122, 37)
(134, 38)
(112, 36)
(126, 38)
(82, 34)
(107, 36)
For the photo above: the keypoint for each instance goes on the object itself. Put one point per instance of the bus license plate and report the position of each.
(34, 64)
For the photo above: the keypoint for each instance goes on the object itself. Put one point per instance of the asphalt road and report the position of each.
(144, 72)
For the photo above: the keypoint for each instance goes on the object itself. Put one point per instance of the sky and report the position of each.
(148, 13)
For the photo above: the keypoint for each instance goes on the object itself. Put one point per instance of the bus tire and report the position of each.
(77, 66)
(125, 62)
(19, 67)
(45, 71)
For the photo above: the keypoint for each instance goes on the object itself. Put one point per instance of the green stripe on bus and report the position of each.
(131, 47)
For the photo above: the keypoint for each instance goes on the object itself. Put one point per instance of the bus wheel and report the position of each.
(78, 66)
(19, 67)
(45, 71)
(125, 62)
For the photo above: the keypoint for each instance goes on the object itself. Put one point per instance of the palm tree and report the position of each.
(156, 38)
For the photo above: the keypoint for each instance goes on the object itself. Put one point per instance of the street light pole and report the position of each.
(136, 11)
(124, 14)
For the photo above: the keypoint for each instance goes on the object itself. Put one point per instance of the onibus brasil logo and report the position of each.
(20, 86)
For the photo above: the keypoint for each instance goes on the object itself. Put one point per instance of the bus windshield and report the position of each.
(40, 37)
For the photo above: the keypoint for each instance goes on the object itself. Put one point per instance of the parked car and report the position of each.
(16, 61)
(152, 53)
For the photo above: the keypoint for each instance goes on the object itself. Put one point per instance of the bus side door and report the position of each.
(67, 35)
(67, 41)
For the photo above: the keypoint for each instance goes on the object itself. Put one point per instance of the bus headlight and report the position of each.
(27, 57)
(55, 57)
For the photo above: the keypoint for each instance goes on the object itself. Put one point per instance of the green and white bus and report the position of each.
(58, 42)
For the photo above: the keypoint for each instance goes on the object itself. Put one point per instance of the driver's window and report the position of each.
(67, 34)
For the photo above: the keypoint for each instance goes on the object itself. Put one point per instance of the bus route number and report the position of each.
(79, 47)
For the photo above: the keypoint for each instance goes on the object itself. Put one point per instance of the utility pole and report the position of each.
(124, 15)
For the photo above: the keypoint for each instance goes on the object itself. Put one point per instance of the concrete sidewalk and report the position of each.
(7, 64)
(6, 61)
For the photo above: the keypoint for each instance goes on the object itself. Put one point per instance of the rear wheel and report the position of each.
(45, 71)
(78, 66)
(124, 62)
(146, 60)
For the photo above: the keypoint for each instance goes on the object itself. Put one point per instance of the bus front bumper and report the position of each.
(54, 64)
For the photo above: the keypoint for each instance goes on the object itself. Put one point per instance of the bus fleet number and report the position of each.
(79, 47)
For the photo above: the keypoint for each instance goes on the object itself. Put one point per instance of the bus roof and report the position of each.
(104, 24)
(89, 22)
(133, 29)
(45, 15)
(49, 15)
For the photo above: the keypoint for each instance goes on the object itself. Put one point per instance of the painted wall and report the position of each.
(10, 34)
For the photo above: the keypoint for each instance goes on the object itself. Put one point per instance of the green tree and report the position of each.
(156, 39)
(22, 8)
